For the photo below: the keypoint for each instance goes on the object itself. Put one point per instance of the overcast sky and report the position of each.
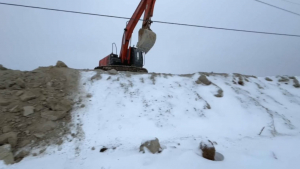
(30, 38)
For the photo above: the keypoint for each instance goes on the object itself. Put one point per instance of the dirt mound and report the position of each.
(35, 106)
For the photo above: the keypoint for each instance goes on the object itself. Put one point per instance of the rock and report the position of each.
(268, 79)
(39, 135)
(28, 110)
(47, 126)
(19, 93)
(112, 72)
(296, 83)
(62, 105)
(82, 106)
(15, 109)
(89, 95)
(53, 115)
(203, 80)
(4, 102)
(220, 93)
(20, 83)
(10, 138)
(24, 143)
(19, 156)
(2, 67)
(152, 145)
(93, 148)
(208, 150)
(96, 76)
(6, 129)
(284, 79)
(102, 150)
(6, 155)
(60, 64)
(28, 96)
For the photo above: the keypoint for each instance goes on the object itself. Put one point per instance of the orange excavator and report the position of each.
(132, 58)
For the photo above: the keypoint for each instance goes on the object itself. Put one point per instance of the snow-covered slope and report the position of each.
(126, 109)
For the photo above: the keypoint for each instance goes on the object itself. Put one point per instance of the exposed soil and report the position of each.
(35, 106)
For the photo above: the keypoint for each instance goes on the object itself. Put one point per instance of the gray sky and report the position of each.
(30, 38)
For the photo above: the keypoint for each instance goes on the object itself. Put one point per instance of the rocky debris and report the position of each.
(203, 80)
(19, 156)
(6, 129)
(19, 93)
(9, 138)
(60, 64)
(152, 145)
(2, 67)
(62, 105)
(53, 115)
(27, 96)
(268, 79)
(208, 150)
(220, 93)
(39, 135)
(20, 83)
(28, 110)
(283, 79)
(112, 72)
(47, 126)
(6, 155)
(296, 83)
(4, 102)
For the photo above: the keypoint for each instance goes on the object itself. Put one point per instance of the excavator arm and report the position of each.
(146, 36)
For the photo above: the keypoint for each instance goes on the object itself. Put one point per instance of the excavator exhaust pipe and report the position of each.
(147, 40)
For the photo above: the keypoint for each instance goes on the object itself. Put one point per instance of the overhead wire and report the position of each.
(291, 2)
(277, 7)
(161, 22)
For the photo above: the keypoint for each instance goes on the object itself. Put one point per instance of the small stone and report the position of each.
(82, 106)
(10, 138)
(6, 129)
(93, 148)
(4, 102)
(208, 150)
(152, 145)
(20, 83)
(102, 150)
(42, 150)
(19, 93)
(220, 93)
(113, 72)
(203, 80)
(2, 67)
(28, 96)
(6, 155)
(24, 143)
(284, 79)
(15, 109)
(60, 64)
(53, 115)
(89, 95)
(47, 126)
(28, 110)
(21, 155)
(268, 79)
(39, 135)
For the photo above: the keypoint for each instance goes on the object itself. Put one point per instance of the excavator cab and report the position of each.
(136, 57)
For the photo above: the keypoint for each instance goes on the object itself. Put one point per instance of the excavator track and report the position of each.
(123, 68)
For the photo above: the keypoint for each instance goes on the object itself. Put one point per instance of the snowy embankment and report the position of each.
(125, 110)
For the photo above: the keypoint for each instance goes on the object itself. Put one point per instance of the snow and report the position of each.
(126, 110)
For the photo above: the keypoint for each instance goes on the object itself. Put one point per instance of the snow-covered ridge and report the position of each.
(127, 109)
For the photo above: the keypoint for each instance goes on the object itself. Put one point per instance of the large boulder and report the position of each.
(60, 64)
(208, 150)
(152, 145)
(6, 155)
(203, 80)
(53, 115)
(9, 138)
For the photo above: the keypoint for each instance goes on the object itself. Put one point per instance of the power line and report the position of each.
(162, 22)
(277, 7)
(291, 2)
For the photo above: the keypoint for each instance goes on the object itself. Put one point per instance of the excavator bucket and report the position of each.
(147, 40)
